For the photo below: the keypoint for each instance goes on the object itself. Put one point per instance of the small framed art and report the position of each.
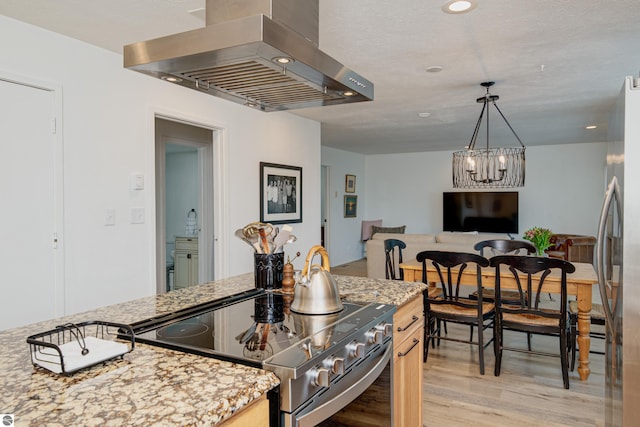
(350, 206)
(350, 184)
(280, 193)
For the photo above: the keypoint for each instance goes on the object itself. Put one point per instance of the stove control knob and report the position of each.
(356, 350)
(385, 328)
(320, 377)
(335, 365)
(374, 336)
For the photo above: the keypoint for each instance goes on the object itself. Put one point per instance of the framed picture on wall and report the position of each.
(280, 193)
(350, 206)
(350, 184)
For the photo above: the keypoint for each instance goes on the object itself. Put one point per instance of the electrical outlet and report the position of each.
(137, 215)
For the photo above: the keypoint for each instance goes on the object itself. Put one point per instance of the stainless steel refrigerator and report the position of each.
(618, 260)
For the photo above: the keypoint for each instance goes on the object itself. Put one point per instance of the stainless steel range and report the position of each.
(323, 361)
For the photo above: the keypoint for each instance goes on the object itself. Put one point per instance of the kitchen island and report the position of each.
(152, 385)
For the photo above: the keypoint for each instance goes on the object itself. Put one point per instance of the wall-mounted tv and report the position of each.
(494, 212)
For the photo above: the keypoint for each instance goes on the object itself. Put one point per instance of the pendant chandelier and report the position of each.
(501, 167)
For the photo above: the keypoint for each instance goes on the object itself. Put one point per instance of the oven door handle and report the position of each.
(336, 403)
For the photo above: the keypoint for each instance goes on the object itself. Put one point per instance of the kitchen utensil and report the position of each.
(317, 292)
(291, 239)
(280, 240)
(246, 336)
(265, 336)
(240, 236)
(264, 242)
(252, 231)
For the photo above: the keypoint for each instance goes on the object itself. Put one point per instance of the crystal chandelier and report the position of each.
(489, 167)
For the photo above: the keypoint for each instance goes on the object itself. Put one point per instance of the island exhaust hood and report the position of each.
(261, 53)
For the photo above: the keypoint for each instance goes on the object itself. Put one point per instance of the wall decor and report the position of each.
(280, 193)
(350, 184)
(350, 206)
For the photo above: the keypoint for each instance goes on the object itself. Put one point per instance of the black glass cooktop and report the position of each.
(253, 329)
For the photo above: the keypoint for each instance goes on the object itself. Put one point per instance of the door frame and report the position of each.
(213, 194)
(326, 195)
(57, 236)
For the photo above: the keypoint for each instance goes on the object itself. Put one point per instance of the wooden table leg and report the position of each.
(584, 328)
(410, 275)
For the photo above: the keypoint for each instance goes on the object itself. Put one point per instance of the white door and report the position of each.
(28, 215)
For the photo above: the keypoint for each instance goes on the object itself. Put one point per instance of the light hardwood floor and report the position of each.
(528, 392)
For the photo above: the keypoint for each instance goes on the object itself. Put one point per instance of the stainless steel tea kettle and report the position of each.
(316, 292)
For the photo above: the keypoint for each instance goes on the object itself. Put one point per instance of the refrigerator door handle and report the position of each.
(613, 193)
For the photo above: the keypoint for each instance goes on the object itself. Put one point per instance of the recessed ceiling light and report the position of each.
(424, 115)
(459, 6)
(591, 127)
(434, 69)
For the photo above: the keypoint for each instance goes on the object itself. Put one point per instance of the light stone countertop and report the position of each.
(151, 385)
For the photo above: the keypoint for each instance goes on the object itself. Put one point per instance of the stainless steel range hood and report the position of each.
(238, 54)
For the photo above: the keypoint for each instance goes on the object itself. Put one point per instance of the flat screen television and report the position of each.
(493, 212)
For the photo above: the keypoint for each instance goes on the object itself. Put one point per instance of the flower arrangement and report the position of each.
(540, 237)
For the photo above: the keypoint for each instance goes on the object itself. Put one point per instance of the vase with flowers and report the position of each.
(540, 237)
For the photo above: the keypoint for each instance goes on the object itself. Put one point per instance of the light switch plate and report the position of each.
(137, 215)
(137, 181)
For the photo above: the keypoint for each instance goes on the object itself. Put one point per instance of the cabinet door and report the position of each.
(407, 384)
(193, 269)
(181, 270)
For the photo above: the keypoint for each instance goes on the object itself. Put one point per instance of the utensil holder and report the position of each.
(269, 270)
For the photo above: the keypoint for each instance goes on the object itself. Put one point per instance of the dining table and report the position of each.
(579, 284)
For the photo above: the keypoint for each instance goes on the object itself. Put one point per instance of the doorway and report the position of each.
(185, 254)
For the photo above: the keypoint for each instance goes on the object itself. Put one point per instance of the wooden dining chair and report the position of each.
(448, 305)
(391, 247)
(529, 317)
(489, 248)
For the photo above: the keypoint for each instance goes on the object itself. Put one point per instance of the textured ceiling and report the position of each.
(558, 64)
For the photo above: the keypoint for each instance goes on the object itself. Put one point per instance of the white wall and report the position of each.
(344, 233)
(563, 189)
(108, 133)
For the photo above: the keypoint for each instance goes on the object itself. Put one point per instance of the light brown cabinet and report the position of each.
(254, 415)
(185, 262)
(408, 346)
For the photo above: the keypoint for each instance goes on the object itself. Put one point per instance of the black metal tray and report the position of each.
(74, 346)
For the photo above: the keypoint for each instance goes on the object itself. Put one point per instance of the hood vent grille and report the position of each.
(259, 84)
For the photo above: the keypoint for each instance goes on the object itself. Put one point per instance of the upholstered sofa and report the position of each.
(445, 241)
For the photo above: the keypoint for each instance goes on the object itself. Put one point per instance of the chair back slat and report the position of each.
(391, 246)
